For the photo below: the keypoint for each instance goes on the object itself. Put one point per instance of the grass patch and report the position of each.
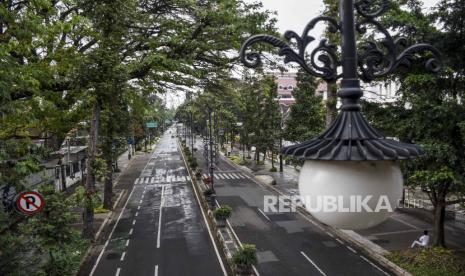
(430, 262)
(100, 210)
(236, 159)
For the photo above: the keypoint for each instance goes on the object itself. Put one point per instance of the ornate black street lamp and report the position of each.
(350, 158)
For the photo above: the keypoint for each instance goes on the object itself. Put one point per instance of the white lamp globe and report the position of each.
(351, 195)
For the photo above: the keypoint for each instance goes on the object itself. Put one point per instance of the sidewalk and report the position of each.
(396, 233)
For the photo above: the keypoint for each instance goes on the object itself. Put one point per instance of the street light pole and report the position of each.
(350, 156)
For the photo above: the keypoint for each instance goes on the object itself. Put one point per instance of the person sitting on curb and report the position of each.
(423, 241)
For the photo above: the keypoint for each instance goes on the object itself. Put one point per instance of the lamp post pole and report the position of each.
(210, 163)
(359, 149)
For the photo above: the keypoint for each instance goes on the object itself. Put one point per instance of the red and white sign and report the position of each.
(30, 202)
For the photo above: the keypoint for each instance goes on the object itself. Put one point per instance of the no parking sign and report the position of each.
(30, 203)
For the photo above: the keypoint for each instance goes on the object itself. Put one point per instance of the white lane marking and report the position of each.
(159, 217)
(140, 201)
(339, 241)
(111, 234)
(138, 207)
(406, 223)
(130, 231)
(142, 197)
(122, 256)
(118, 271)
(308, 259)
(329, 234)
(133, 222)
(216, 176)
(137, 181)
(236, 176)
(127, 242)
(156, 270)
(232, 177)
(137, 213)
(263, 213)
(375, 266)
(351, 249)
(147, 180)
(221, 176)
(205, 175)
(226, 176)
(152, 179)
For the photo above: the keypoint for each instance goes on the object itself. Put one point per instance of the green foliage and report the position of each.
(50, 234)
(306, 119)
(223, 212)
(273, 169)
(430, 262)
(246, 255)
(430, 111)
(83, 199)
(99, 167)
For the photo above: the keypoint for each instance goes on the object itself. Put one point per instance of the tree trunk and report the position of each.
(439, 218)
(108, 189)
(88, 215)
(331, 103)
(272, 159)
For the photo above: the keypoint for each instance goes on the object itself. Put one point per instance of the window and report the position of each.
(290, 87)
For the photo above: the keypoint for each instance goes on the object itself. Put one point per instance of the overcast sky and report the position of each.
(295, 14)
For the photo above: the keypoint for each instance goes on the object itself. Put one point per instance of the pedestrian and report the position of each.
(423, 241)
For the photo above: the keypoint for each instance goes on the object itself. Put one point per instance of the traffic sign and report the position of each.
(30, 203)
(151, 124)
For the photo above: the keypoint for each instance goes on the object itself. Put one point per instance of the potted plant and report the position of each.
(208, 192)
(198, 173)
(244, 258)
(221, 214)
(193, 163)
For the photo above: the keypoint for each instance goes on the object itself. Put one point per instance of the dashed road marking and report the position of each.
(133, 222)
(137, 213)
(310, 260)
(122, 256)
(263, 213)
(130, 231)
(159, 217)
(351, 249)
(375, 266)
(127, 242)
(156, 270)
(339, 241)
(118, 270)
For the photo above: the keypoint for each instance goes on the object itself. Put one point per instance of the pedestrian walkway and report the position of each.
(157, 180)
(230, 175)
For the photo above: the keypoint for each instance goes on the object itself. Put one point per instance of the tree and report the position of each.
(331, 10)
(430, 111)
(306, 119)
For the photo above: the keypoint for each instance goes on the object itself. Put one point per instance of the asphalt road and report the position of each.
(161, 230)
(287, 243)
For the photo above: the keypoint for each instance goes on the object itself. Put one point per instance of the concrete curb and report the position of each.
(368, 247)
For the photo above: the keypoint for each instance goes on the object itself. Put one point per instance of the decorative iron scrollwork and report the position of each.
(376, 58)
(322, 61)
(381, 58)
